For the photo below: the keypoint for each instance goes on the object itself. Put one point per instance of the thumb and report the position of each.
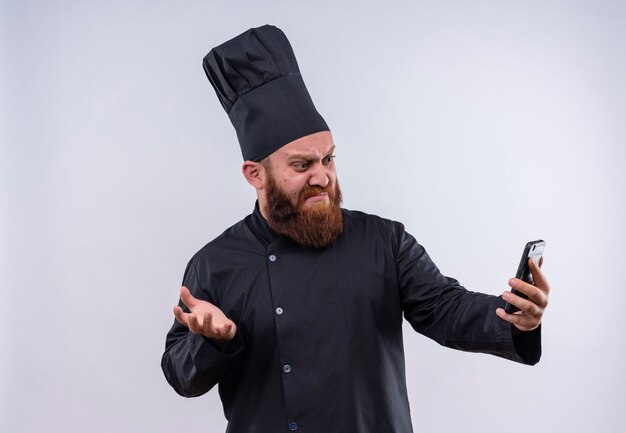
(187, 297)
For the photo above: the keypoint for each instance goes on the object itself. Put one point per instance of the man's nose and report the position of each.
(319, 177)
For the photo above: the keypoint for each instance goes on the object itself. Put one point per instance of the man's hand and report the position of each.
(531, 309)
(205, 318)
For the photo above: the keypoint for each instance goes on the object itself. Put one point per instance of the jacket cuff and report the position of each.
(203, 349)
(527, 344)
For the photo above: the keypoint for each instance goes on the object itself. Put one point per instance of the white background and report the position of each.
(479, 125)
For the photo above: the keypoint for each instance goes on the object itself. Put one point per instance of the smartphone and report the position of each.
(532, 250)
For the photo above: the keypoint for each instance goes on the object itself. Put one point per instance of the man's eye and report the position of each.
(329, 159)
(301, 165)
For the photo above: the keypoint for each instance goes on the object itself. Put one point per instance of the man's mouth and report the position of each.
(318, 197)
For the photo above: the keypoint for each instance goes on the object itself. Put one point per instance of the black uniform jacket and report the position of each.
(318, 347)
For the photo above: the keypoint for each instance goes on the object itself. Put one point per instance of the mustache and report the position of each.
(310, 191)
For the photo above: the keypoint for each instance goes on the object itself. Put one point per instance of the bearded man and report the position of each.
(296, 311)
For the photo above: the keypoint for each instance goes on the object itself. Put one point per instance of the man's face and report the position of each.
(306, 162)
(301, 194)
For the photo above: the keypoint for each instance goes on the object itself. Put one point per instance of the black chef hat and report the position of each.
(257, 80)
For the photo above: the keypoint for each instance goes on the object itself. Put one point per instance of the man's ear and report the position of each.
(254, 172)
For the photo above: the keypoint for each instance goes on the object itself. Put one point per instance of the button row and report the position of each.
(286, 368)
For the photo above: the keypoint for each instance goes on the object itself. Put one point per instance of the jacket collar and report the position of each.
(261, 228)
(269, 238)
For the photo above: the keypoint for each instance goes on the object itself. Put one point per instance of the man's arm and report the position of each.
(201, 343)
(440, 308)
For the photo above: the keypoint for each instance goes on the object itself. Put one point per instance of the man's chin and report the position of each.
(315, 221)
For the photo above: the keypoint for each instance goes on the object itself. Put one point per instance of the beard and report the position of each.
(317, 226)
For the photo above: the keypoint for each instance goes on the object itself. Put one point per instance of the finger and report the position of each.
(538, 277)
(520, 321)
(180, 316)
(227, 328)
(224, 329)
(208, 327)
(194, 326)
(541, 261)
(535, 294)
(187, 298)
(216, 330)
(526, 306)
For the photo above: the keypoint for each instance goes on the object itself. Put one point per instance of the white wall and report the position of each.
(480, 125)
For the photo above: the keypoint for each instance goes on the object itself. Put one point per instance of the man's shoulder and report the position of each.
(357, 216)
(236, 238)
(358, 220)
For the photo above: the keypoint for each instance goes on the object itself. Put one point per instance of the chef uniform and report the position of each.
(318, 346)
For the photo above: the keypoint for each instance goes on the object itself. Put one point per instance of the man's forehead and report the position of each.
(315, 145)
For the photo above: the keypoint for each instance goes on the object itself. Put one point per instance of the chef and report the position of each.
(296, 311)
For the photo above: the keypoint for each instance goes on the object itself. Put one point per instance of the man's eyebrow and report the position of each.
(309, 156)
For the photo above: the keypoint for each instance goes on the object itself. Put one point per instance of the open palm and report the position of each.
(204, 318)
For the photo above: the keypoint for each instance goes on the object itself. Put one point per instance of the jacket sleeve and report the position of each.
(441, 309)
(192, 364)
